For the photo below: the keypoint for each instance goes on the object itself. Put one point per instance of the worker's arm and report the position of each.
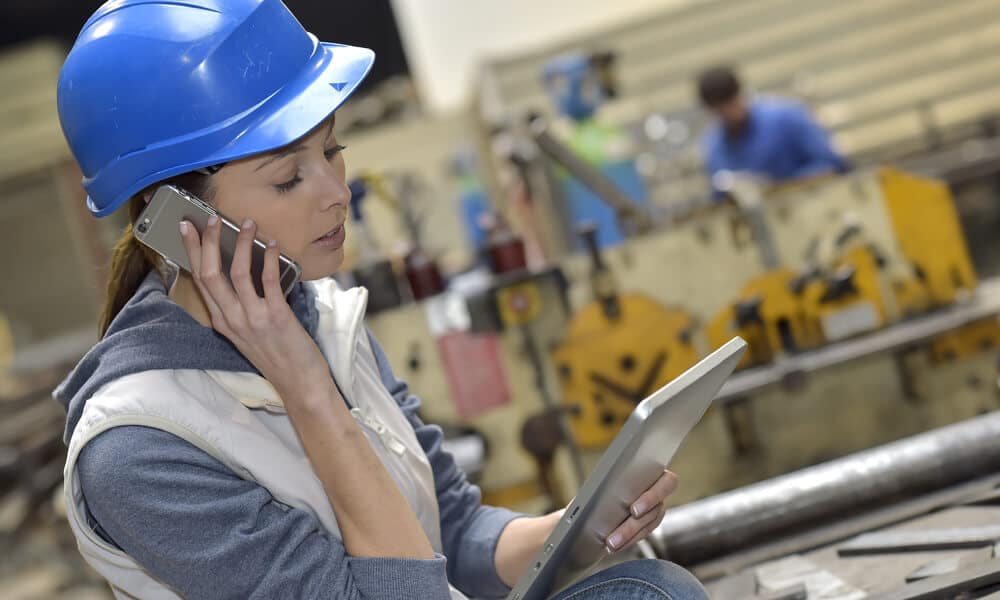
(714, 160)
(813, 144)
(488, 547)
(374, 517)
(470, 531)
(207, 533)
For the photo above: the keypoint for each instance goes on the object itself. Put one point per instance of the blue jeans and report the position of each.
(637, 580)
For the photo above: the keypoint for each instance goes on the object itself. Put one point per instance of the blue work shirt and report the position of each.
(781, 142)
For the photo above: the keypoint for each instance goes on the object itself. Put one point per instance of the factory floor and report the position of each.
(877, 573)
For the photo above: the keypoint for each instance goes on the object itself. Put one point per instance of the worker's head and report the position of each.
(720, 92)
(231, 99)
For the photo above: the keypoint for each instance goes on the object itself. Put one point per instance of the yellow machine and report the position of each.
(768, 314)
(857, 278)
(642, 312)
(922, 212)
(617, 350)
(966, 341)
(607, 366)
(849, 299)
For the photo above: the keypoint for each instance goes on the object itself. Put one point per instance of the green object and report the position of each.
(598, 143)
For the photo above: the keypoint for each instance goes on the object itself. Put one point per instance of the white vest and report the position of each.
(239, 419)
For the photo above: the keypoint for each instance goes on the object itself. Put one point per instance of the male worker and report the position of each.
(773, 138)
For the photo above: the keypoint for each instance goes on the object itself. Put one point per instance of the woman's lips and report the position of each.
(333, 239)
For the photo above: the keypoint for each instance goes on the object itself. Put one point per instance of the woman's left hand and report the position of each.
(524, 536)
(645, 513)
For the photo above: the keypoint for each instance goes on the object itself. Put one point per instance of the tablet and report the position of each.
(631, 464)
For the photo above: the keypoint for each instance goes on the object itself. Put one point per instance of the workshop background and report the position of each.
(535, 271)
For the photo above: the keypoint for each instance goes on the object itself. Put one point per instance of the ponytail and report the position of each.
(132, 260)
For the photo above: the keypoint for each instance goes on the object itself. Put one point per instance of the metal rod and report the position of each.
(825, 493)
(538, 365)
(630, 214)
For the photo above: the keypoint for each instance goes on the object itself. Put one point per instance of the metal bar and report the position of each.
(815, 537)
(795, 592)
(629, 213)
(830, 492)
(881, 542)
(948, 586)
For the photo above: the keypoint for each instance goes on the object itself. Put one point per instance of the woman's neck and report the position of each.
(185, 293)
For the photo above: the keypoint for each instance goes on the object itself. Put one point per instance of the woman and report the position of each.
(225, 445)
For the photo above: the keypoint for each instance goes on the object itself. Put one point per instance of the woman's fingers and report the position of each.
(655, 495)
(215, 281)
(192, 244)
(646, 512)
(240, 271)
(271, 277)
(633, 530)
(650, 527)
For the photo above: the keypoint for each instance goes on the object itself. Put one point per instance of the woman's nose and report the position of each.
(334, 193)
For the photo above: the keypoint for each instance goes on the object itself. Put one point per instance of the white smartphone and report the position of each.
(157, 227)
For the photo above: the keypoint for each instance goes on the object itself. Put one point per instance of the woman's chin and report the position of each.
(321, 268)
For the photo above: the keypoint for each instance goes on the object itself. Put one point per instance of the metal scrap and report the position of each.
(881, 542)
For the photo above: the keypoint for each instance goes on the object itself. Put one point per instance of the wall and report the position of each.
(446, 39)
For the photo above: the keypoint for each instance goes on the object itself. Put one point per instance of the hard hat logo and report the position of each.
(153, 89)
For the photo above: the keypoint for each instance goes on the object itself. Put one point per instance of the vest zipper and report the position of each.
(389, 440)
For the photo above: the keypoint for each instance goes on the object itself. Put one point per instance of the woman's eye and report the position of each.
(331, 152)
(291, 183)
(288, 185)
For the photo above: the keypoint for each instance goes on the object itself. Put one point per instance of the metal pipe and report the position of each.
(829, 492)
(631, 216)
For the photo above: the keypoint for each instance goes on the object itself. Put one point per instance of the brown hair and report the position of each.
(132, 260)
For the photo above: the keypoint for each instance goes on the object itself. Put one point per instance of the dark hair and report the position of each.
(717, 86)
(131, 260)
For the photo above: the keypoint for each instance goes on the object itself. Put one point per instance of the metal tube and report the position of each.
(630, 214)
(825, 493)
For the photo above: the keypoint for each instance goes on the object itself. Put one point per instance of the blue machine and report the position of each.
(575, 88)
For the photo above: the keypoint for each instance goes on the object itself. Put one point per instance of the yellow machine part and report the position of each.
(784, 319)
(519, 304)
(783, 324)
(923, 216)
(966, 341)
(723, 327)
(912, 298)
(607, 366)
(863, 310)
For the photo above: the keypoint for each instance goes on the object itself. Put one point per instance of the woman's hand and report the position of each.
(646, 512)
(264, 330)
(524, 536)
(375, 519)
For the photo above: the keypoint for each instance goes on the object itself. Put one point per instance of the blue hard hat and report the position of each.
(156, 88)
(573, 85)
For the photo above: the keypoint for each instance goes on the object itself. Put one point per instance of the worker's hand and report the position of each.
(264, 330)
(646, 512)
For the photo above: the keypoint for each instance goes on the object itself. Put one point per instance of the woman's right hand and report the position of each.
(264, 330)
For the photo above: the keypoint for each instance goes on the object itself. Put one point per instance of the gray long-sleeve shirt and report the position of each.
(197, 526)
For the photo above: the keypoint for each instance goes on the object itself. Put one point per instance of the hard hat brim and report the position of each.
(332, 74)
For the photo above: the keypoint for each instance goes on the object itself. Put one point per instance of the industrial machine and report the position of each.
(853, 279)
(616, 351)
(856, 293)
(874, 260)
